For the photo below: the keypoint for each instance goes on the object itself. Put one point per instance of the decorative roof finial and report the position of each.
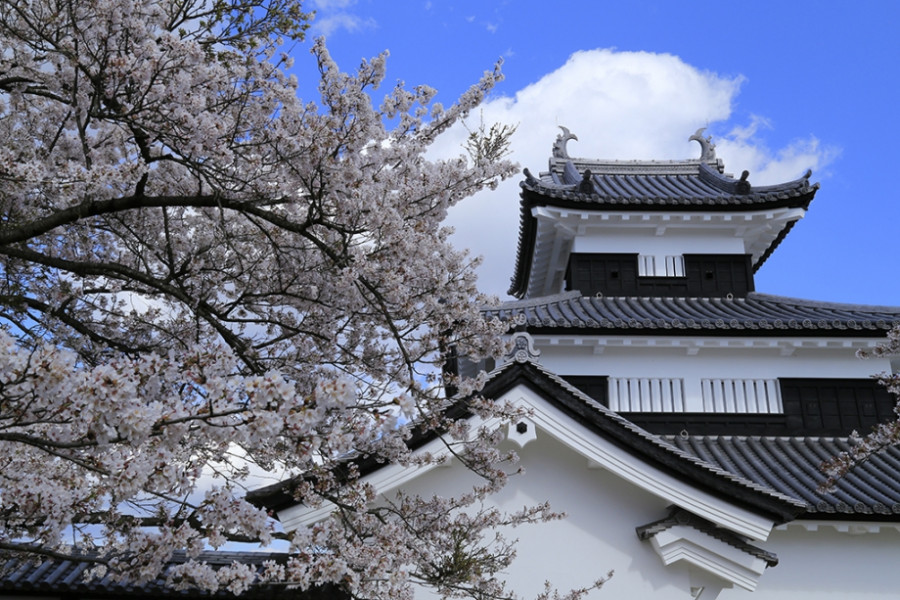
(559, 146)
(707, 148)
(742, 186)
(586, 186)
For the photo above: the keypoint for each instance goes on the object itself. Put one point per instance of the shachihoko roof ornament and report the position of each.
(559, 146)
(707, 148)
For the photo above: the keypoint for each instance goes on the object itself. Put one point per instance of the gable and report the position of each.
(617, 483)
(651, 473)
(610, 478)
(607, 441)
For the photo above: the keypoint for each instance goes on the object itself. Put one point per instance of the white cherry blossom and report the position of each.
(195, 260)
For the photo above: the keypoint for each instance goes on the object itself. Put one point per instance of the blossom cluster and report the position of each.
(205, 275)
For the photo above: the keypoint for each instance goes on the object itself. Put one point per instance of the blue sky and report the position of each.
(781, 87)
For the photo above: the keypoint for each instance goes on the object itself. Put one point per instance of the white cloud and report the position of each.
(328, 24)
(745, 149)
(332, 15)
(332, 4)
(621, 105)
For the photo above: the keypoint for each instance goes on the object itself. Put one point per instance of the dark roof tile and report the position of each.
(756, 314)
(688, 184)
(26, 575)
(791, 467)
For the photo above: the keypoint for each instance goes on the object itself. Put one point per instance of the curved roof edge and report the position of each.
(601, 421)
(649, 447)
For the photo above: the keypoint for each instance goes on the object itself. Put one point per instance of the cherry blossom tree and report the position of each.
(201, 274)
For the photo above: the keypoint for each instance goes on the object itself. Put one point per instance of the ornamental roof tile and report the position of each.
(755, 314)
(646, 188)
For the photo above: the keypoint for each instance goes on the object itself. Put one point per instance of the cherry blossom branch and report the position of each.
(203, 276)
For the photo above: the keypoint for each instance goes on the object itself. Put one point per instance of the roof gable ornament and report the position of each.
(559, 146)
(707, 148)
(523, 349)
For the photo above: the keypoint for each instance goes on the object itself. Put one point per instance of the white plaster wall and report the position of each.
(826, 564)
(656, 361)
(597, 535)
(644, 240)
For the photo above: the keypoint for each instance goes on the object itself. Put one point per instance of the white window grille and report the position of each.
(668, 266)
(643, 394)
(741, 395)
(675, 266)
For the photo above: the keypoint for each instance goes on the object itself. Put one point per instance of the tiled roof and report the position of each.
(755, 314)
(782, 468)
(693, 184)
(687, 185)
(790, 465)
(606, 423)
(28, 576)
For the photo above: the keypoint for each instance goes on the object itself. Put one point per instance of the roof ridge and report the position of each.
(756, 313)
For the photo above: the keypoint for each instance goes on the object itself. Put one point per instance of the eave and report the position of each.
(756, 315)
